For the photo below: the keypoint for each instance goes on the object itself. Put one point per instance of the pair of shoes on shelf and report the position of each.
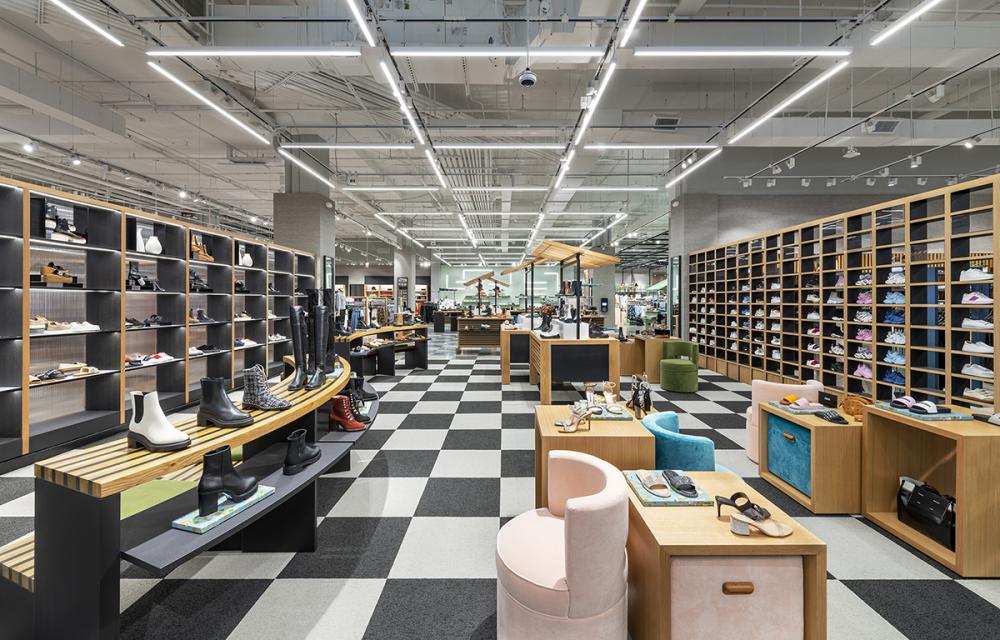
(199, 251)
(199, 316)
(65, 231)
(198, 285)
(54, 274)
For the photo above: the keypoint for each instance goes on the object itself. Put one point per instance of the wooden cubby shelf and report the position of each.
(98, 243)
(874, 296)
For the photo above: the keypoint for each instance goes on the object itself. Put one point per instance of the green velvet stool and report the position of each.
(676, 372)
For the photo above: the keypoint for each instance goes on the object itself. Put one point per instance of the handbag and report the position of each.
(921, 506)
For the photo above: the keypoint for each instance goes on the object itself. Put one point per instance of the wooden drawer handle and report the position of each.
(788, 437)
(737, 588)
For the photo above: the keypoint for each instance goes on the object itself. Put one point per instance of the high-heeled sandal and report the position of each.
(576, 419)
(750, 515)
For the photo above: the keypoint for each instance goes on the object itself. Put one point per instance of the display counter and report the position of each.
(514, 348)
(568, 360)
(382, 359)
(448, 318)
(479, 332)
(643, 354)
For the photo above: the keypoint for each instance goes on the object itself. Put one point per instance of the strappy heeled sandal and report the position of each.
(750, 515)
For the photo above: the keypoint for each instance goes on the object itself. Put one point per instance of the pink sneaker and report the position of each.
(864, 335)
(864, 298)
(840, 281)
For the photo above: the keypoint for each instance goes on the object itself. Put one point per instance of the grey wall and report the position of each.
(302, 221)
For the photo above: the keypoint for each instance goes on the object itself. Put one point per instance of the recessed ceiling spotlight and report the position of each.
(770, 182)
(182, 194)
(29, 147)
(851, 152)
(870, 182)
(368, 232)
(916, 161)
(253, 219)
(790, 163)
(971, 142)
(893, 182)
(806, 182)
(921, 181)
(76, 161)
(775, 169)
(831, 182)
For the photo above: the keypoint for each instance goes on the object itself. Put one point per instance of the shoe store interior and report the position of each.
(519, 320)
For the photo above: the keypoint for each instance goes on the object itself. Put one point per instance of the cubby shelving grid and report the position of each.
(58, 411)
(870, 302)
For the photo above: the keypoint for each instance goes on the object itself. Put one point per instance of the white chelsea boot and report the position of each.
(149, 427)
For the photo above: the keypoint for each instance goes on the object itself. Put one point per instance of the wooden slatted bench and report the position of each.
(67, 571)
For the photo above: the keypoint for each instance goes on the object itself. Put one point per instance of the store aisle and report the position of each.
(406, 544)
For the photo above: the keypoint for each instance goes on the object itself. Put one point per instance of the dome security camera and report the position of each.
(527, 78)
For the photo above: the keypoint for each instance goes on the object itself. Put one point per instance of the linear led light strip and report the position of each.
(907, 18)
(564, 169)
(93, 26)
(306, 168)
(742, 52)
(438, 256)
(589, 113)
(502, 189)
(632, 23)
(823, 77)
(255, 52)
(468, 232)
(390, 189)
(362, 23)
(529, 146)
(225, 114)
(411, 238)
(623, 146)
(360, 146)
(496, 52)
(399, 98)
(692, 168)
(620, 218)
(437, 169)
(593, 188)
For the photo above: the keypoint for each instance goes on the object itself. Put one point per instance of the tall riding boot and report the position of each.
(330, 301)
(218, 476)
(319, 325)
(297, 321)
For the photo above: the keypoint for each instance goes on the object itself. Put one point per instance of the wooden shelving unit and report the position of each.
(61, 411)
(761, 308)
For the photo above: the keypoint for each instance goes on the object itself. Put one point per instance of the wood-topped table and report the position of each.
(385, 356)
(956, 457)
(571, 360)
(72, 563)
(624, 443)
(479, 332)
(514, 347)
(661, 537)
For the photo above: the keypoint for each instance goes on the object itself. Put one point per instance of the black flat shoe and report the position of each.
(681, 484)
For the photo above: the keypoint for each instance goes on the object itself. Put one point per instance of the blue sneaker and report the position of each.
(894, 297)
(894, 377)
(894, 317)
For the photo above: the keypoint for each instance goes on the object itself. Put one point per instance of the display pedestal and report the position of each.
(584, 360)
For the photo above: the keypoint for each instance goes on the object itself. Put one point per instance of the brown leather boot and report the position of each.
(341, 416)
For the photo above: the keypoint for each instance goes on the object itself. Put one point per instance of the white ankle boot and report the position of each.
(149, 427)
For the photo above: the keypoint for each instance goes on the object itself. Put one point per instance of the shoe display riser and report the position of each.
(97, 247)
(893, 272)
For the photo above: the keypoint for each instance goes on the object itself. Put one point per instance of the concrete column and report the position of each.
(404, 265)
(304, 216)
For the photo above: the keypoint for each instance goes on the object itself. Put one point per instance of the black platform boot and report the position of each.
(329, 301)
(217, 477)
(297, 322)
(301, 453)
(217, 409)
(358, 385)
(318, 376)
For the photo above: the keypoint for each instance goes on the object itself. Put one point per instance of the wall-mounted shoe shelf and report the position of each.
(98, 244)
(764, 307)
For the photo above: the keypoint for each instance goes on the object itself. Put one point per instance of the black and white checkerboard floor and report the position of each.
(407, 536)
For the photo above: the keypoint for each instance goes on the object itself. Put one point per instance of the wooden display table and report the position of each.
(479, 332)
(643, 354)
(624, 443)
(514, 347)
(658, 536)
(382, 360)
(957, 458)
(830, 455)
(68, 573)
(569, 360)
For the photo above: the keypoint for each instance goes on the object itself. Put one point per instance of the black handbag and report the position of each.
(924, 508)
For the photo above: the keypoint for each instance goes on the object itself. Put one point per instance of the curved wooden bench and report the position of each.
(374, 332)
(17, 562)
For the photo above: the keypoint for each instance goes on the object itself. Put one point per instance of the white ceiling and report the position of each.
(143, 139)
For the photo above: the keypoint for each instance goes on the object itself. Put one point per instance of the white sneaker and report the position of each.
(977, 347)
(971, 323)
(775, 286)
(83, 326)
(977, 371)
(983, 394)
(812, 316)
(149, 427)
(834, 299)
(776, 354)
(974, 297)
(975, 274)
(813, 364)
(195, 351)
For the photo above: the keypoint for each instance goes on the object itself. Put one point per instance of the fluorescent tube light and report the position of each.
(418, 213)
(306, 168)
(255, 52)
(823, 77)
(93, 26)
(742, 52)
(611, 189)
(437, 170)
(623, 146)
(589, 113)
(385, 220)
(225, 114)
(359, 146)
(362, 23)
(692, 168)
(380, 189)
(517, 146)
(907, 18)
(503, 189)
(632, 23)
(562, 174)
(391, 79)
(496, 52)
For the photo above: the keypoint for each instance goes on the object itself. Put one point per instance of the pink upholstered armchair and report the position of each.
(562, 573)
(763, 391)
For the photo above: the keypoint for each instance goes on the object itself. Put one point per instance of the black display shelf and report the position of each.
(72, 334)
(153, 327)
(65, 428)
(149, 541)
(152, 257)
(153, 364)
(70, 378)
(45, 243)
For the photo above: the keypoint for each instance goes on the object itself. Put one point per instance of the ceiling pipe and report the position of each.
(499, 19)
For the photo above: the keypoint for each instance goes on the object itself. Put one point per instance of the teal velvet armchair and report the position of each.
(676, 450)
